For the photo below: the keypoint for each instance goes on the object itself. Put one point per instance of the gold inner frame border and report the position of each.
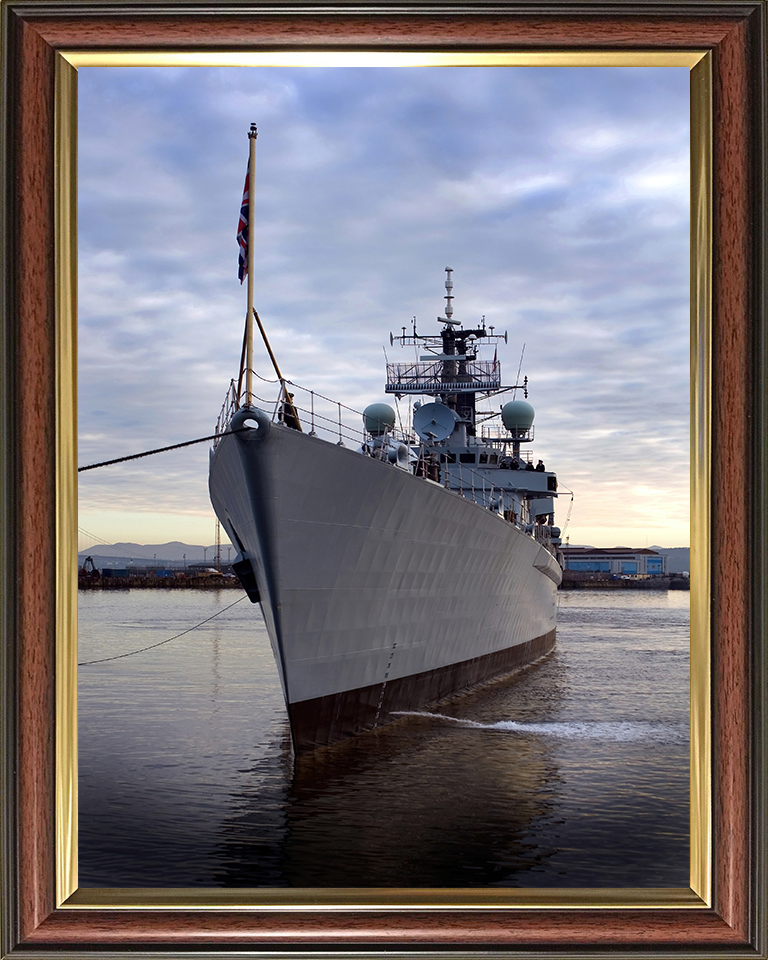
(68, 896)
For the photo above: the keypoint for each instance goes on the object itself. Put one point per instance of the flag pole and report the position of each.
(252, 133)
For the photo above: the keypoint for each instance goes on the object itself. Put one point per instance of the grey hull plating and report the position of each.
(380, 590)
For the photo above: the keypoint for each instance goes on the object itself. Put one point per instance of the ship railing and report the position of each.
(317, 415)
(504, 454)
(479, 489)
(229, 408)
(490, 499)
(502, 437)
(432, 377)
(332, 420)
(524, 456)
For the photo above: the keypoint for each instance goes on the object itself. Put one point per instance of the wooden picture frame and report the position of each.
(729, 459)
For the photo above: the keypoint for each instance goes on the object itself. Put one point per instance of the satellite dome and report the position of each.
(517, 416)
(378, 418)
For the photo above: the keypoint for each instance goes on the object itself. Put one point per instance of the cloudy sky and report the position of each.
(558, 195)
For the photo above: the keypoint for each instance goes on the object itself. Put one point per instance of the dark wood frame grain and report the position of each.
(735, 32)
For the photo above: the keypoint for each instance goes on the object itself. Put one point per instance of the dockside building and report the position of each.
(615, 561)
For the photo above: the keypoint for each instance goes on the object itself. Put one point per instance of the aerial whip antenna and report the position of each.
(522, 354)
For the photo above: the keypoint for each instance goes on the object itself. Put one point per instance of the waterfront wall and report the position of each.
(160, 583)
(576, 580)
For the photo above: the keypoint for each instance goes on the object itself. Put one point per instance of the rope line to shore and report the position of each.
(87, 663)
(174, 446)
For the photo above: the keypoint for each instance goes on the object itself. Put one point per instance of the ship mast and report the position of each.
(454, 374)
(252, 134)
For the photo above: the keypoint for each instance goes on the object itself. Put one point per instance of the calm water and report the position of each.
(575, 773)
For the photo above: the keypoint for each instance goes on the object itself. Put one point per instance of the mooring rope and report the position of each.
(174, 446)
(87, 663)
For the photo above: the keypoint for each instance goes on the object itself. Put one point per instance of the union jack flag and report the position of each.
(242, 229)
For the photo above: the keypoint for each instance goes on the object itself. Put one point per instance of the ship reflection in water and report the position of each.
(574, 773)
(424, 802)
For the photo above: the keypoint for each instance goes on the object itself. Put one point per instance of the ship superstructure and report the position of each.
(457, 444)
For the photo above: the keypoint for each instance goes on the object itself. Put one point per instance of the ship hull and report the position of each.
(381, 591)
(334, 717)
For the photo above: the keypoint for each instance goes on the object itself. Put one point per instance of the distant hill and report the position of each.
(679, 558)
(175, 550)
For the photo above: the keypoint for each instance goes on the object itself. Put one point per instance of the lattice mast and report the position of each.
(454, 374)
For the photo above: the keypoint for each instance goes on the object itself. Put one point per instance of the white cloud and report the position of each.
(559, 197)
